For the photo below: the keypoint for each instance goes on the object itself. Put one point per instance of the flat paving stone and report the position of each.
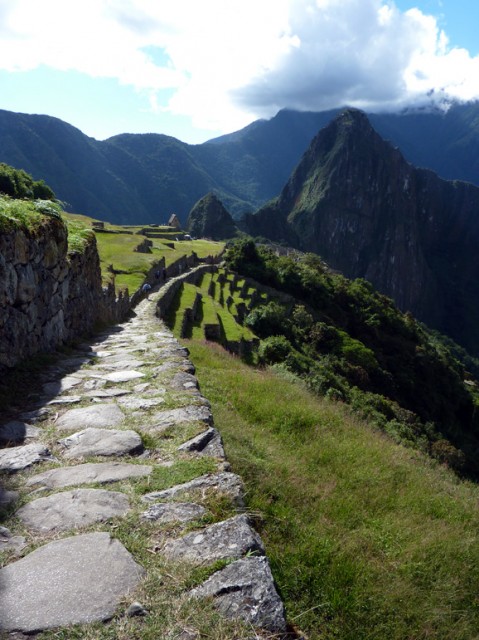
(102, 442)
(112, 392)
(65, 400)
(88, 473)
(140, 403)
(75, 580)
(94, 384)
(245, 589)
(17, 431)
(73, 509)
(101, 415)
(76, 362)
(125, 363)
(121, 376)
(224, 482)
(230, 539)
(193, 413)
(142, 387)
(19, 458)
(174, 512)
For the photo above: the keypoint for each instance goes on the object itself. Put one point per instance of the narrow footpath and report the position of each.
(120, 512)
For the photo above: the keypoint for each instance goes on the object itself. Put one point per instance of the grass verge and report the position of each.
(367, 539)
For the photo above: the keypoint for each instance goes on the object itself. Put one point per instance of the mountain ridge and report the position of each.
(144, 178)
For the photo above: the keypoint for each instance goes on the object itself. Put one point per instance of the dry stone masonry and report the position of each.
(85, 457)
(49, 295)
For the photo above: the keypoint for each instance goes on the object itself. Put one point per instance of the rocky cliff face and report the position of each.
(355, 200)
(47, 296)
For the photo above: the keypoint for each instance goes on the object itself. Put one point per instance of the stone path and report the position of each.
(125, 411)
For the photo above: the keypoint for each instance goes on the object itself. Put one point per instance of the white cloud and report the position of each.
(227, 62)
(364, 53)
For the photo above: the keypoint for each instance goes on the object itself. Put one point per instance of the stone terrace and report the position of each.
(119, 460)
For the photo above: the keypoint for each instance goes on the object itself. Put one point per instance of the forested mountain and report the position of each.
(146, 177)
(354, 200)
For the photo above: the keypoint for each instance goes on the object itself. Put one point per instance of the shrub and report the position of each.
(447, 453)
(274, 349)
(356, 353)
(17, 183)
(269, 319)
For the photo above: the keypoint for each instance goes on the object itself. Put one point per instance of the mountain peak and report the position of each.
(209, 219)
(356, 201)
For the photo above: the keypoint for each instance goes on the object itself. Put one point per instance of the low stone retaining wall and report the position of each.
(169, 291)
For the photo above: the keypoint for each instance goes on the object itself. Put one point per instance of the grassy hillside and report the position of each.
(347, 448)
(367, 539)
(350, 343)
(119, 259)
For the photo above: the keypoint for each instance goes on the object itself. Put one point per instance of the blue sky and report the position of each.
(458, 18)
(195, 70)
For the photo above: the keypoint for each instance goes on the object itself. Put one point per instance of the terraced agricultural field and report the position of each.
(214, 310)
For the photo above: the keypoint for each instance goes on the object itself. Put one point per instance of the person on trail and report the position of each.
(146, 288)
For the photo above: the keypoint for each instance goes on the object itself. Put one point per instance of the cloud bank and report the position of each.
(225, 63)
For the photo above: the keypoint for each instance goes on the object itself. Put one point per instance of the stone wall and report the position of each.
(47, 296)
(169, 291)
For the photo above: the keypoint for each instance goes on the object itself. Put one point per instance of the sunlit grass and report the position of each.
(367, 539)
(117, 244)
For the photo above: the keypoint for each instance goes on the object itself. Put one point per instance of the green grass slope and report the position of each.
(368, 540)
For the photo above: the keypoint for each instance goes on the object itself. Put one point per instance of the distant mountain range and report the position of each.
(146, 177)
(356, 201)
